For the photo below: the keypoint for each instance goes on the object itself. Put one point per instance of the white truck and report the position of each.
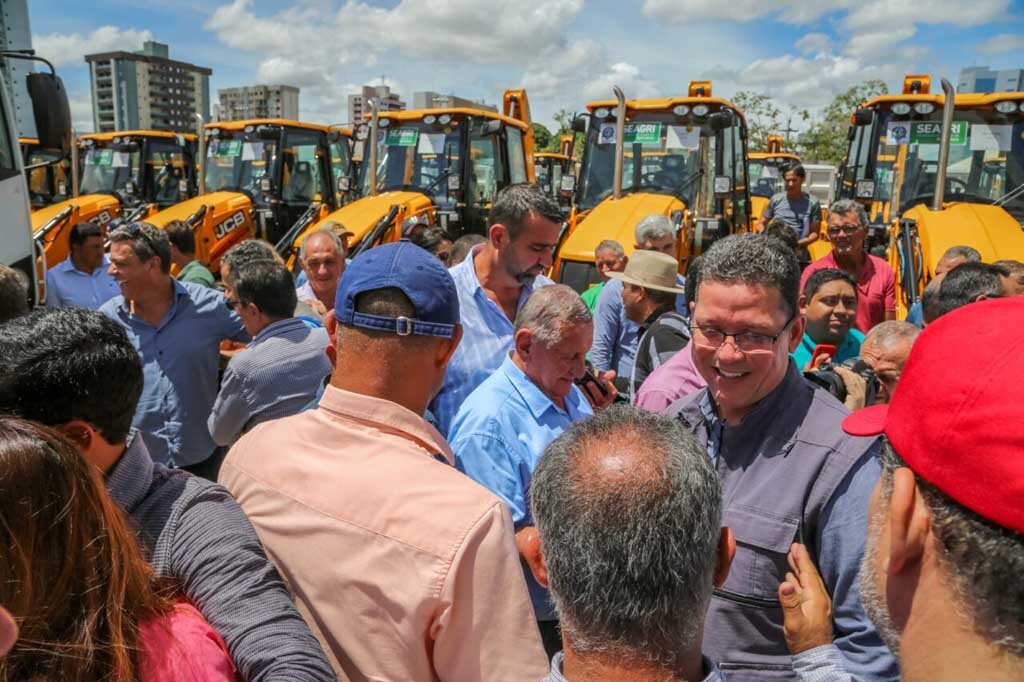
(50, 107)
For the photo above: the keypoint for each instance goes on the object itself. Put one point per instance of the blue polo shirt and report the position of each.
(180, 358)
(498, 436)
(849, 348)
(67, 286)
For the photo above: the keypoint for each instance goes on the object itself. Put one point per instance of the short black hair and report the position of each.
(147, 242)
(13, 294)
(81, 232)
(753, 259)
(430, 238)
(781, 230)
(967, 281)
(820, 278)
(514, 204)
(62, 364)
(692, 278)
(794, 167)
(267, 284)
(181, 236)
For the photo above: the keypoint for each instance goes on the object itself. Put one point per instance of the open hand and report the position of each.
(806, 605)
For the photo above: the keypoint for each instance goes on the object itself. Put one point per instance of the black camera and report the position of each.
(829, 379)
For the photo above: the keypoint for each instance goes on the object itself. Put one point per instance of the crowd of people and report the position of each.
(431, 462)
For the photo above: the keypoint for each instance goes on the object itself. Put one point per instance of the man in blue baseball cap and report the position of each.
(386, 546)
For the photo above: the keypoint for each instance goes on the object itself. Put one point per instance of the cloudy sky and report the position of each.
(565, 52)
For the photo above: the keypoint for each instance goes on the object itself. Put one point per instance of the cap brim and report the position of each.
(646, 285)
(869, 421)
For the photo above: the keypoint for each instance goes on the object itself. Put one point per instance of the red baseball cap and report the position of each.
(956, 416)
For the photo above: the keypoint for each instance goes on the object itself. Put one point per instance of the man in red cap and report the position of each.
(941, 577)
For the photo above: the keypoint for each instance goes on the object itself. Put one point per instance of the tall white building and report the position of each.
(358, 105)
(984, 79)
(433, 100)
(258, 101)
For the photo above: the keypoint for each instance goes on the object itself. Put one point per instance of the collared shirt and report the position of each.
(664, 334)
(676, 379)
(615, 335)
(590, 296)
(405, 568)
(180, 359)
(486, 340)
(196, 273)
(803, 214)
(876, 288)
(498, 436)
(276, 375)
(556, 674)
(305, 292)
(849, 348)
(68, 286)
(194, 531)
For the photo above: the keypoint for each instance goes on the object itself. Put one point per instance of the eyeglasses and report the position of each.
(135, 231)
(233, 303)
(842, 229)
(745, 342)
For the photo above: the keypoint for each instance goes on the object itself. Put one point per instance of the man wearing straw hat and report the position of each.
(649, 291)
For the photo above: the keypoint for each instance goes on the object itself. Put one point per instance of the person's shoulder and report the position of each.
(882, 265)
(201, 295)
(112, 307)
(856, 334)
(486, 406)
(181, 645)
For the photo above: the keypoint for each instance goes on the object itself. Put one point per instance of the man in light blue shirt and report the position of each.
(284, 367)
(615, 336)
(82, 279)
(504, 425)
(493, 283)
(176, 329)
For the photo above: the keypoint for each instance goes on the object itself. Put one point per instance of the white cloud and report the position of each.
(624, 75)
(886, 14)
(812, 43)
(1004, 42)
(70, 49)
(790, 11)
(873, 44)
(81, 111)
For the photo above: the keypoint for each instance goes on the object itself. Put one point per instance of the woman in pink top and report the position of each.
(87, 605)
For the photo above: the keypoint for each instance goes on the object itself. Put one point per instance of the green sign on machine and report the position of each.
(402, 137)
(229, 148)
(102, 157)
(642, 133)
(930, 132)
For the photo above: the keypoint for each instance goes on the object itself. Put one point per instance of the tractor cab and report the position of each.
(935, 171)
(47, 171)
(682, 157)
(123, 176)
(442, 165)
(260, 177)
(766, 176)
(556, 172)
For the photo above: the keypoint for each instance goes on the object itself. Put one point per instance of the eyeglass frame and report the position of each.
(843, 229)
(135, 230)
(735, 344)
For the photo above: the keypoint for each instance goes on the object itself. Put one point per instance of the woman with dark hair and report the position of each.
(436, 241)
(87, 604)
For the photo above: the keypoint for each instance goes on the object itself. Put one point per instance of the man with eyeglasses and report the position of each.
(876, 281)
(176, 328)
(788, 472)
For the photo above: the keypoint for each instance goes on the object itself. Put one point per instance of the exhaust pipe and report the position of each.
(620, 145)
(372, 139)
(201, 161)
(948, 108)
(74, 164)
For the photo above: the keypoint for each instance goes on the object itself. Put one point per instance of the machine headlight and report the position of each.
(383, 122)
(1006, 107)
(924, 108)
(901, 108)
(601, 112)
(444, 119)
(701, 110)
(429, 119)
(681, 110)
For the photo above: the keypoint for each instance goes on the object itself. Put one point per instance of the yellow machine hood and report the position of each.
(221, 202)
(989, 229)
(86, 206)
(615, 219)
(361, 215)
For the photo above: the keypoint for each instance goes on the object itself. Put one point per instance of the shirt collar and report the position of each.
(531, 394)
(130, 478)
(67, 265)
(275, 328)
(180, 292)
(386, 416)
(766, 408)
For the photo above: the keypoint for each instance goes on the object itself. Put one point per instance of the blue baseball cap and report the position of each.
(420, 276)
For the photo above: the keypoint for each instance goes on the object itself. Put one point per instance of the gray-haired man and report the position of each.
(788, 471)
(629, 513)
(615, 336)
(322, 255)
(504, 425)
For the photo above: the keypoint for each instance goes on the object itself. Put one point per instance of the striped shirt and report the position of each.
(486, 340)
(194, 531)
(275, 376)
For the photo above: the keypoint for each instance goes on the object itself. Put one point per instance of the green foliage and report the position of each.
(763, 118)
(541, 137)
(825, 140)
(564, 118)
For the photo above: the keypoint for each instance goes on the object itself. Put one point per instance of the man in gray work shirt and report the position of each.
(795, 207)
(788, 472)
(76, 370)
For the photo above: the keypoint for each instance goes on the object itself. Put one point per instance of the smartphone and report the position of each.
(823, 349)
(589, 378)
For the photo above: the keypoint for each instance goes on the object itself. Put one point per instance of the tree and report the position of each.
(564, 119)
(541, 137)
(825, 140)
(763, 118)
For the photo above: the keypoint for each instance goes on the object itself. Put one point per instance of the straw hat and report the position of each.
(651, 270)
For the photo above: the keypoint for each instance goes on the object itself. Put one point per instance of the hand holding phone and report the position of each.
(822, 349)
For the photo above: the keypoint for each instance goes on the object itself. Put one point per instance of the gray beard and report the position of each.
(870, 595)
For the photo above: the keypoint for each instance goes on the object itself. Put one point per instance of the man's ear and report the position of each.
(726, 552)
(796, 332)
(498, 235)
(81, 433)
(523, 342)
(447, 350)
(535, 560)
(909, 522)
(802, 304)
